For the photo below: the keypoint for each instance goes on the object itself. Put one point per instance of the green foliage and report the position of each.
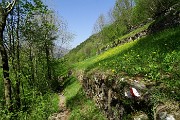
(40, 107)
(81, 107)
(1, 84)
(122, 11)
(30, 35)
(145, 9)
(140, 12)
(88, 48)
(111, 52)
(156, 57)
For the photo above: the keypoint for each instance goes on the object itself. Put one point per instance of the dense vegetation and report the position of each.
(31, 74)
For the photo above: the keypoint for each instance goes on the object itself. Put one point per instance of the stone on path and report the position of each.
(64, 112)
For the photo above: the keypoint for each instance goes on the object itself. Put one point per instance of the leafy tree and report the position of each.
(145, 9)
(99, 25)
(98, 29)
(27, 47)
(123, 12)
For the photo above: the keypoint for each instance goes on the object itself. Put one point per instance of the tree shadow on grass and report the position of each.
(77, 100)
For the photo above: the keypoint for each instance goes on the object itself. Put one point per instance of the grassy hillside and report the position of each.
(155, 57)
(82, 52)
(80, 106)
(89, 47)
(153, 61)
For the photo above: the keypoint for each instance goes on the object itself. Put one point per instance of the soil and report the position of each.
(63, 111)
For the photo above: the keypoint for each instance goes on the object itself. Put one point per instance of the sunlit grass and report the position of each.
(110, 53)
(155, 57)
(80, 106)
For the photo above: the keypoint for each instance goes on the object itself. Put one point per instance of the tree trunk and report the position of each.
(18, 102)
(7, 82)
(32, 78)
(48, 62)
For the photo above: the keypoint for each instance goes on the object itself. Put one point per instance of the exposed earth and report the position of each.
(63, 111)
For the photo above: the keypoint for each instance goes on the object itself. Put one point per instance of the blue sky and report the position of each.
(80, 15)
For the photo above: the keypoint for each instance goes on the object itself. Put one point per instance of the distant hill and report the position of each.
(60, 51)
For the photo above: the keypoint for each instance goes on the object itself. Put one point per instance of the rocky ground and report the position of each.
(63, 111)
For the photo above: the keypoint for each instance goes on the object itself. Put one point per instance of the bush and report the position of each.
(40, 107)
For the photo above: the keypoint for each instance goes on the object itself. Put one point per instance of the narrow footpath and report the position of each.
(63, 111)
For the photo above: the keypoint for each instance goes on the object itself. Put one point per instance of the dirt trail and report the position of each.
(63, 111)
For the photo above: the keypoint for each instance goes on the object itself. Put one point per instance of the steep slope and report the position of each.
(151, 65)
(82, 51)
(135, 75)
(94, 46)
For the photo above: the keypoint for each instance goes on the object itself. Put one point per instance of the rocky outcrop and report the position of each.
(170, 18)
(110, 93)
(125, 40)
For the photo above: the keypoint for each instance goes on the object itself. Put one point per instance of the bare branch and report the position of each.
(10, 6)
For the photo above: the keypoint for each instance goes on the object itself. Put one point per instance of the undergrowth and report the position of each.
(39, 108)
